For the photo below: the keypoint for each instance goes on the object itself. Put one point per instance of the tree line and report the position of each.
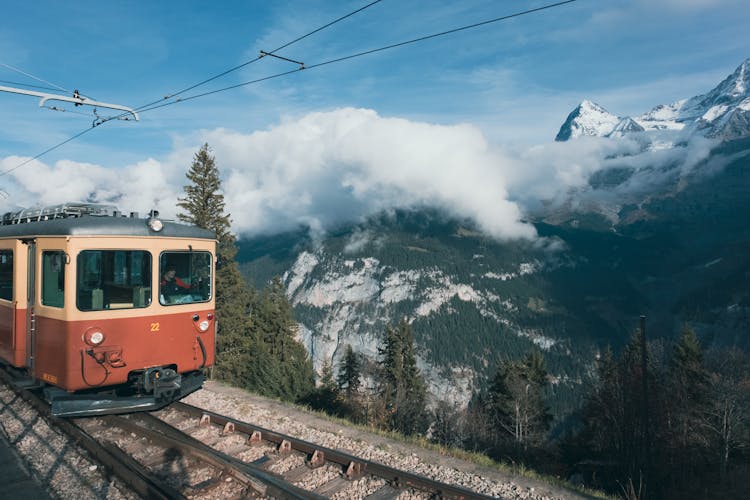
(659, 420)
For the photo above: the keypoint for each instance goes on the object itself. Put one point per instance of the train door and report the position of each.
(30, 303)
(8, 298)
(50, 297)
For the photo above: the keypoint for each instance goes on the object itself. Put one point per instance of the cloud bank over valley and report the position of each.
(326, 168)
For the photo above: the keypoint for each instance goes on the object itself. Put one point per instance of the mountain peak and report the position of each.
(723, 113)
(740, 80)
(625, 126)
(588, 118)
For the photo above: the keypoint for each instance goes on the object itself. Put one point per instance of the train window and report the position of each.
(6, 274)
(184, 277)
(113, 279)
(53, 278)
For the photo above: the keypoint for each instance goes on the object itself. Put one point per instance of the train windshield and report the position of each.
(113, 279)
(184, 277)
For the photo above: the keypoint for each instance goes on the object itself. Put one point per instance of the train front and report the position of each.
(125, 322)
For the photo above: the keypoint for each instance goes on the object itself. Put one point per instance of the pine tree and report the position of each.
(604, 410)
(325, 396)
(204, 203)
(516, 400)
(204, 207)
(291, 374)
(349, 374)
(688, 397)
(402, 386)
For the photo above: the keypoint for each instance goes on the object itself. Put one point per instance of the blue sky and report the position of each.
(512, 82)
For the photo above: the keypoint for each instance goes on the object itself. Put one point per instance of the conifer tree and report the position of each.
(516, 400)
(688, 396)
(204, 207)
(402, 387)
(349, 382)
(326, 378)
(349, 374)
(291, 374)
(326, 395)
(204, 202)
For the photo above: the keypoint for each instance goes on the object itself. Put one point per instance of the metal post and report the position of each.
(645, 431)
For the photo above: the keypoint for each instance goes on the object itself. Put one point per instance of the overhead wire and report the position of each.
(259, 57)
(359, 54)
(48, 150)
(96, 123)
(27, 85)
(57, 87)
(159, 104)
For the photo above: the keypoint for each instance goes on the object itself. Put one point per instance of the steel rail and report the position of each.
(114, 460)
(355, 466)
(160, 431)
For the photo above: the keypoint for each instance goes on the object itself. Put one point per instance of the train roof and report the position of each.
(91, 225)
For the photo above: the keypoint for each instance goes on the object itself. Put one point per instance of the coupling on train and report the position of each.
(105, 312)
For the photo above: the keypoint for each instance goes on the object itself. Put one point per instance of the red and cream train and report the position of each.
(85, 315)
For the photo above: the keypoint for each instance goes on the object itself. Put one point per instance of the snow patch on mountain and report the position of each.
(720, 113)
(537, 338)
(523, 269)
(663, 117)
(587, 119)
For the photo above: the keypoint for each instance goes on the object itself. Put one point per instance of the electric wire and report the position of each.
(358, 54)
(27, 85)
(55, 108)
(251, 61)
(48, 150)
(152, 106)
(101, 121)
(57, 87)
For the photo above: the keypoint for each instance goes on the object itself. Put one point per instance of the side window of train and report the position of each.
(53, 278)
(6, 274)
(184, 277)
(113, 279)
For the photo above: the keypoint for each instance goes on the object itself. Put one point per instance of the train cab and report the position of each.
(107, 313)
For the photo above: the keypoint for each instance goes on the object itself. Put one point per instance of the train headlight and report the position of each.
(93, 337)
(203, 325)
(155, 224)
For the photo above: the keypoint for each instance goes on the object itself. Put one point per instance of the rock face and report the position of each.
(352, 299)
(723, 113)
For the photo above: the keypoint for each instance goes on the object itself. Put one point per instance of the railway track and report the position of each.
(187, 452)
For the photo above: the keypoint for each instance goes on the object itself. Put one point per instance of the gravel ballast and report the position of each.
(67, 472)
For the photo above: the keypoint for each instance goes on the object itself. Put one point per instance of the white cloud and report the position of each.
(326, 168)
(330, 167)
(139, 187)
(318, 170)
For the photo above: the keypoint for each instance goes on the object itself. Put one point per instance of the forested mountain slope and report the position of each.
(679, 257)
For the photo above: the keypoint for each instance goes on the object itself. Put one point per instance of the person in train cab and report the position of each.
(171, 284)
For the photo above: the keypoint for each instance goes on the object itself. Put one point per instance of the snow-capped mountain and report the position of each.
(723, 113)
(588, 119)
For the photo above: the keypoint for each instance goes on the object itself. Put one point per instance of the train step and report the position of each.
(28, 383)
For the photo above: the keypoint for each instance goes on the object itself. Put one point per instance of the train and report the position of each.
(103, 311)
